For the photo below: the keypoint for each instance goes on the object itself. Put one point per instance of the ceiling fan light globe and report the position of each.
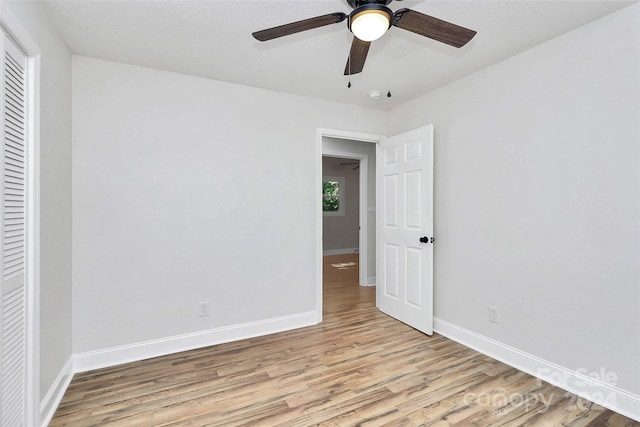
(369, 25)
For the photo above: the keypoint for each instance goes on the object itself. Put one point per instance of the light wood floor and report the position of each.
(359, 367)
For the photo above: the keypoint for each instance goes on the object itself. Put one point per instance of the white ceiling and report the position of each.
(212, 39)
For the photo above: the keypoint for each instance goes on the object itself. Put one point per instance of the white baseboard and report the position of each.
(371, 281)
(340, 251)
(144, 350)
(53, 397)
(607, 395)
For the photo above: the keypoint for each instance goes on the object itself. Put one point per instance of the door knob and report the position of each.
(424, 239)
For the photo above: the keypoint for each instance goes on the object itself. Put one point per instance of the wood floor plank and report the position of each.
(358, 368)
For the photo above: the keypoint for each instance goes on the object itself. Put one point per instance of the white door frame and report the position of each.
(32, 274)
(352, 136)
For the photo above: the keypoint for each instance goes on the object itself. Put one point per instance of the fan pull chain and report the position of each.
(389, 94)
(349, 84)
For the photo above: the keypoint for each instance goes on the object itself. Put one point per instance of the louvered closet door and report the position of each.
(12, 237)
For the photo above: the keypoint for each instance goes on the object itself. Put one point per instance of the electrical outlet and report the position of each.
(204, 309)
(493, 314)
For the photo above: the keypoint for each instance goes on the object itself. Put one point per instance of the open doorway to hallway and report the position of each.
(354, 228)
(356, 147)
(341, 234)
(340, 205)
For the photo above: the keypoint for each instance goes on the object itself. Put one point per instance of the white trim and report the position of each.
(339, 251)
(607, 395)
(319, 218)
(13, 27)
(54, 396)
(153, 348)
(371, 281)
(344, 134)
(33, 241)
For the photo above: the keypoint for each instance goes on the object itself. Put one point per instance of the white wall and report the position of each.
(55, 188)
(189, 190)
(537, 198)
(368, 148)
(340, 232)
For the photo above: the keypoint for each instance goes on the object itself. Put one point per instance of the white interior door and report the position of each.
(404, 195)
(12, 234)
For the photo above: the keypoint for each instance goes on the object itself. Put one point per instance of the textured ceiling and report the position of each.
(212, 39)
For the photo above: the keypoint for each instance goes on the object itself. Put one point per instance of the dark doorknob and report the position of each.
(424, 239)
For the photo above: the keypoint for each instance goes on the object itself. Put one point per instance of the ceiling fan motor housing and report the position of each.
(357, 3)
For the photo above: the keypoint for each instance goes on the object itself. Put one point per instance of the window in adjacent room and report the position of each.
(333, 196)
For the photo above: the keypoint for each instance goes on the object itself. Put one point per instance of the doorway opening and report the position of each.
(340, 228)
(353, 152)
(340, 206)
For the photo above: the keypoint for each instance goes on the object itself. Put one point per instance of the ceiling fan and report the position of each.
(357, 164)
(369, 20)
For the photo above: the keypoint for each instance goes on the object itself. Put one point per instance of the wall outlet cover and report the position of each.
(493, 314)
(204, 309)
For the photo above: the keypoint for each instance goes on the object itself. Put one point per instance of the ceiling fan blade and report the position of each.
(434, 28)
(296, 27)
(357, 56)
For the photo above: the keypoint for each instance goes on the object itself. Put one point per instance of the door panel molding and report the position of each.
(405, 226)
